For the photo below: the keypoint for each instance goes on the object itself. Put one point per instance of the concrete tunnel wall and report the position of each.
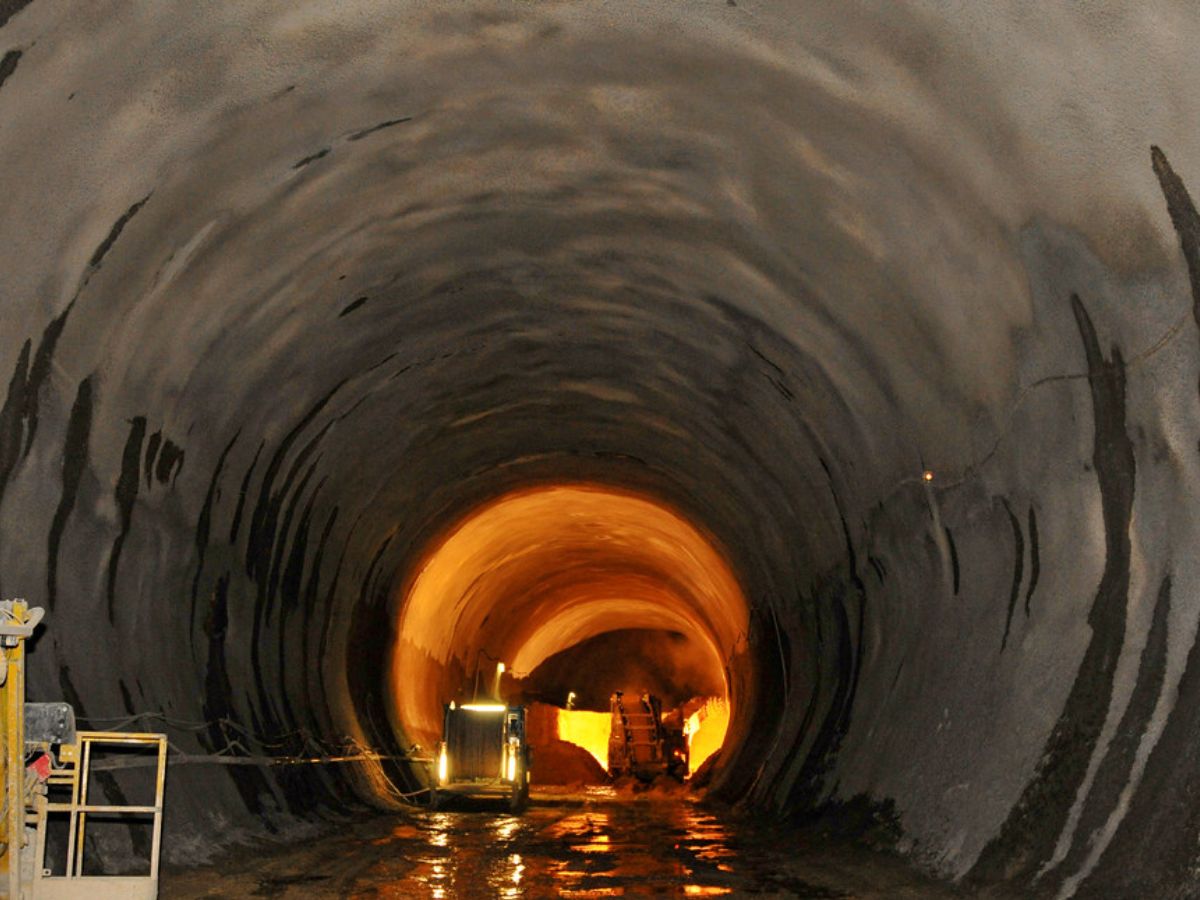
(289, 288)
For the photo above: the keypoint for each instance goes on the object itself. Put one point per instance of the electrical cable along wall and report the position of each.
(292, 289)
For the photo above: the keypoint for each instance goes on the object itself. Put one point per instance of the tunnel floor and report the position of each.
(568, 844)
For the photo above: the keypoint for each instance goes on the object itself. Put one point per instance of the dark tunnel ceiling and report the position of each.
(670, 665)
(290, 289)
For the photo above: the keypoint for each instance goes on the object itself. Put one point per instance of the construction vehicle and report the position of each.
(47, 773)
(640, 744)
(483, 753)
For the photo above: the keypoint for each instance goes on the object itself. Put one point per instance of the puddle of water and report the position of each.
(581, 848)
(607, 849)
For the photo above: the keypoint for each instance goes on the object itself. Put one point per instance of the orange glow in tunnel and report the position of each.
(706, 729)
(705, 732)
(587, 729)
(539, 571)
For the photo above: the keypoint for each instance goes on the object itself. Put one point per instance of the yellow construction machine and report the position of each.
(483, 753)
(642, 742)
(47, 772)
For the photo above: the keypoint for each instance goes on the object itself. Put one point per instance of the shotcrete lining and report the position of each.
(367, 268)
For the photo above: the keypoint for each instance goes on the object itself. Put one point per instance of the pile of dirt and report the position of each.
(560, 762)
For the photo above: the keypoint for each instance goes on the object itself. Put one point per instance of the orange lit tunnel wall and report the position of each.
(706, 730)
(540, 570)
(587, 729)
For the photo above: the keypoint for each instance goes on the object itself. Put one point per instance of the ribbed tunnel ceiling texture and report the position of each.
(293, 289)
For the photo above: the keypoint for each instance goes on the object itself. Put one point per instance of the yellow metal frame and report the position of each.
(13, 701)
(17, 623)
(77, 775)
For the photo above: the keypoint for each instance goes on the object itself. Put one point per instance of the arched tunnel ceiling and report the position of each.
(539, 571)
(291, 287)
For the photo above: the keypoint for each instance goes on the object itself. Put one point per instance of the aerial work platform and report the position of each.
(48, 768)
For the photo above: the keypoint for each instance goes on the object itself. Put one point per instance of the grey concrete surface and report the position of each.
(289, 287)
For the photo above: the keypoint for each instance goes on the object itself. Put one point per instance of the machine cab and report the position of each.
(483, 753)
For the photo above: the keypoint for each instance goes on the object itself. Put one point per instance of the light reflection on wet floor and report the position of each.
(597, 844)
(612, 848)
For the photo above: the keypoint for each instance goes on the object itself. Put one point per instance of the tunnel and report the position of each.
(352, 349)
(542, 573)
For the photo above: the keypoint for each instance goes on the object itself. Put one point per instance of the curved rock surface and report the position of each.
(290, 288)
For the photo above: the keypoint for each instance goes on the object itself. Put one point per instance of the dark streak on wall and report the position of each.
(115, 232)
(170, 462)
(953, 559)
(126, 697)
(1028, 837)
(1153, 851)
(264, 536)
(218, 697)
(359, 135)
(266, 510)
(1035, 565)
(125, 495)
(309, 603)
(9, 8)
(276, 571)
(1154, 848)
(12, 429)
(1185, 219)
(842, 592)
(819, 755)
(19, 414)
(39, 371)
(290, 581)
(8, 65)
(236, 525)
(312, 158)
(370, 634)
(327, 623)
(1114, 771)
(312, 592)
(75, 457)
(204, 522)
(293, 591)
(1018, 570)
(152, 445)
(70, 694)
(877, 567)
(289, 578)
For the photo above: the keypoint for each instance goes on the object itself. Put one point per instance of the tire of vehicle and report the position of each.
(518, 800)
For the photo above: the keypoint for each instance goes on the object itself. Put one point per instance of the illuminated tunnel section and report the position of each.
(294, 290)
(536, 573)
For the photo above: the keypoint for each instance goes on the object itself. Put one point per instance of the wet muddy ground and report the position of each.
(593, 844)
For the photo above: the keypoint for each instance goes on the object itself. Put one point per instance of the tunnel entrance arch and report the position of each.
(541, 572)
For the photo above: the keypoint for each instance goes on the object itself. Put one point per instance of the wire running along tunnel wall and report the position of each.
(290, 289)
